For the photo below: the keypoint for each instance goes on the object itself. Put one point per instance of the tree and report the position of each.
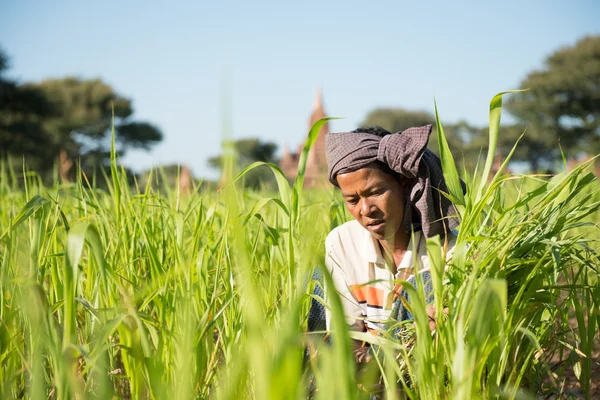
(249, 151)
(84, 116)
(22, 111)
(562, 105)
(465, 141)
(397, 119)
(71, 116)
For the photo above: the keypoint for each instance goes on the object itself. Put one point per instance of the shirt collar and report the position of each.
(372, 252)
(371, 249)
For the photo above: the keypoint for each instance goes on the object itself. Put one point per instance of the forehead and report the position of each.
(363, 178)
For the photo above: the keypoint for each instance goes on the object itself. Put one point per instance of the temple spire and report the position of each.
(318, 102)
(316, 165)
(318, 110)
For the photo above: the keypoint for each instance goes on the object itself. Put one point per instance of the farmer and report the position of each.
(391, 185)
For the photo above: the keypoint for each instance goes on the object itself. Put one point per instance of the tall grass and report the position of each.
(135, 294)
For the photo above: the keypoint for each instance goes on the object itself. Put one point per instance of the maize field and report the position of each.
(140, 293)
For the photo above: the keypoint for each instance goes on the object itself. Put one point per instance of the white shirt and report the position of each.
(360, 275)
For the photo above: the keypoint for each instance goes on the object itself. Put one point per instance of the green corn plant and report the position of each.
(153, 293)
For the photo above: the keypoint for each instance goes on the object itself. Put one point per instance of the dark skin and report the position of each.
(376, 199)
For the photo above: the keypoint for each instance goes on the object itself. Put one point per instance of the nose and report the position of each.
(366, 207)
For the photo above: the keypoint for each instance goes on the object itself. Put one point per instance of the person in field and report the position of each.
(391, 184)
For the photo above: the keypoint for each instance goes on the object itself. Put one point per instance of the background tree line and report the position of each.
(71, 116)
(560, 111)
(57, 122)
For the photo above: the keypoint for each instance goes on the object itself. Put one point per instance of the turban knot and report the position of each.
(406, 153)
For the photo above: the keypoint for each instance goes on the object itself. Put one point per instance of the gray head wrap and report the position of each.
(406, 153)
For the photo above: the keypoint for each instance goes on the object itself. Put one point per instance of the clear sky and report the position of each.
(172, 58)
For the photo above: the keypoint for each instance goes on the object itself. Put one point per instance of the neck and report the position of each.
(395, 248)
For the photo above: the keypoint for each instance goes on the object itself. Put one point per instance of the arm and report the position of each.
(352, 309)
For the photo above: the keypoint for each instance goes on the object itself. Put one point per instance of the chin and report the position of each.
(381, 236)
(377, 236)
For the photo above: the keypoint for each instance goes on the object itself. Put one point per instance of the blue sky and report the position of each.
(174, 59)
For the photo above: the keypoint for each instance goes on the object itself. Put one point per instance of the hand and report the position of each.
(431, 315)
(362, 355)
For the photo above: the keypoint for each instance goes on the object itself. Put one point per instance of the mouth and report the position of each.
(376, 226)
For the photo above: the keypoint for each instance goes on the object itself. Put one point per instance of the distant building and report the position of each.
(316, 165)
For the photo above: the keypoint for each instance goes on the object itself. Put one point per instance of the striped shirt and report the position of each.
(360, 275)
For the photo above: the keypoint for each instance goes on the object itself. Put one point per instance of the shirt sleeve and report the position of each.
(352, 309)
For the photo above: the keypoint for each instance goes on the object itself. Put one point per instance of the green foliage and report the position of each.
(465, 141)
(3, 61)
(21, 112)
(560, 110)
(166, 178)
(38, 120)
(147, 295)
(397, 119)
(562, 104)
(83, 115)
(249, 151)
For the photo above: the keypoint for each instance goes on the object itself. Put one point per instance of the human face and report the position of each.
(375, 199)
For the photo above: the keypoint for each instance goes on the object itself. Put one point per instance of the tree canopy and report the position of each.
(464, 140)
(83, 117)
(248, 151)
(559, 110)
(22, 111)
(73, 117)
(397, 119)
(39, 120)
(562, 103)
